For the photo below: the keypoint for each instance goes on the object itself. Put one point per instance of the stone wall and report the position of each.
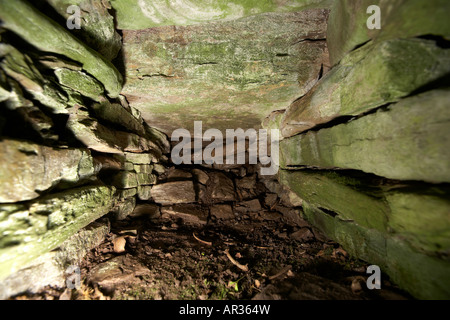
(72, 149)
(363, 115)
(367, 148)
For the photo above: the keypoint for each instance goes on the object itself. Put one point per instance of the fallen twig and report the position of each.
(202, 241)
(275, 204)
(237, 264)
(279, 274)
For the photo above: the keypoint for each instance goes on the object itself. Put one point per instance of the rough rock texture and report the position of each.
(174, 192)
(47, 35)
(380, 113)
(66, 134)
(143, 14)
(36, 227)
(28, 169)
(227, 74)
(50, 268)
(399, 19)
(366, 79)
(373, 204)
(423, 275)
(97, 25)
(408, 141)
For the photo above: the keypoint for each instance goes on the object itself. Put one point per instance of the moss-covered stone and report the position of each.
(372, 76)
(28, 169)
(343, 195)
(144, 192)
(416, 213)
(143, 168)
(118, 115)
(143, 14)
(81, 82)
(139, 158)
(26, 229)
(422, 275)
(97, 27)
(21, 68)
(146, 179)
(409, 141)
(125, 180)
(48, 36)
(103, 138)
(49, 268)
(347, 25)
(421, 216)
(227, 74)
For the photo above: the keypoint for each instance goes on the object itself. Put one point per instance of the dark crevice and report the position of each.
(372, 182)
(308, 40)
(441, 83)
(329, 212)
(440, 41)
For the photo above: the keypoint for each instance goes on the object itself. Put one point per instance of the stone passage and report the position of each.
(86, 117)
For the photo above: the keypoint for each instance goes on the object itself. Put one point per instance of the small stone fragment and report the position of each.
(119, 244)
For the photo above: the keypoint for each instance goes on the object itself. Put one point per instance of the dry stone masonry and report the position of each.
(86, 117)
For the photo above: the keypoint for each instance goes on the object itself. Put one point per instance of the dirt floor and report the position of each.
(253, 258)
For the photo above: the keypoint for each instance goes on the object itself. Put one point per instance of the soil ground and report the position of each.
(164, 259)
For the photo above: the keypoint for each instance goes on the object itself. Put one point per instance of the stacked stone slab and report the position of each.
(72, 149)
(367, 148)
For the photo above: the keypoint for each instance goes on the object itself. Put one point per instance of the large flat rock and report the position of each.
(347, 25)
(28, 169)
(370, 77)
(409, 141)
(174, 192)
(36, 227)
(226, 74)
(143, 14)
(423, 275)
(418, 214)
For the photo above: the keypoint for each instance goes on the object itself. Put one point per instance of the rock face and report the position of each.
(366, 79)
(143, 14)
(49, 269)
(97, 29)
(28, 169)
(400, 19)
(47, 36)
(226, 80)
(366, 149)
(66, 137)
(371, 143)
(42, 225)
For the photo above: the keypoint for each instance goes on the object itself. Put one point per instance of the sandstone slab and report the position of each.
(223, 78)
(366, 79)
(36, 227)
(347, 24)
(409, 141)
(28, 169)
(137, 15)
(46, 35)
(174, 192)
